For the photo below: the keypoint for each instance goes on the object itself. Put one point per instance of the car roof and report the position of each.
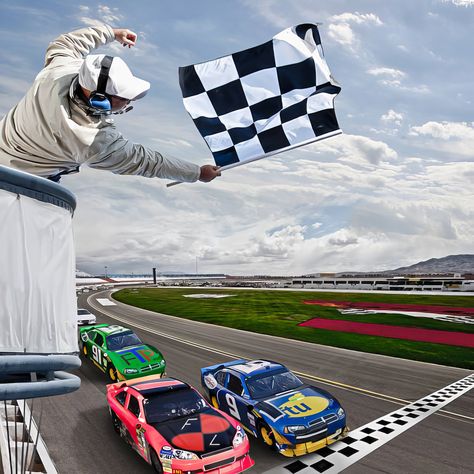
(256, 367)
(147, 387)
(112, 329)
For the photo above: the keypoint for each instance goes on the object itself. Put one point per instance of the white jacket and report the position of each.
(47, 132)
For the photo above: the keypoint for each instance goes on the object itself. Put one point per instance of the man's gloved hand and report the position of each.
(208, 173)
(126, 37)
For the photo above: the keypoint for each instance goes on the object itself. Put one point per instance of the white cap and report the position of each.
(121, 82)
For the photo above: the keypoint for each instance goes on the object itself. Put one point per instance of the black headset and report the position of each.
(98, 99)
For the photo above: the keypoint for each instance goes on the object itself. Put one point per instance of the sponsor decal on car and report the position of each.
(166, 452)
(298, 405)
(143, 354)
(210, 381)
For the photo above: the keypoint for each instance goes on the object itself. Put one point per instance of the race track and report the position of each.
(80, 438)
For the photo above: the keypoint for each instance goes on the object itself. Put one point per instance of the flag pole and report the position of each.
(266, 155)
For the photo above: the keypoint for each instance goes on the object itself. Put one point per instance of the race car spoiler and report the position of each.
(92, 326)
(212, 369)
(131, 382)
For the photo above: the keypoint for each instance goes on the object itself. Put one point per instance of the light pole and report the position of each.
(105, 268)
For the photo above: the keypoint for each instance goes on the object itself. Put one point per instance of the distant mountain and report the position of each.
(449, 264)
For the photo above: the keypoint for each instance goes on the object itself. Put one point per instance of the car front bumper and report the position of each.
(84, 322)
(161, 371)
(291, 450)
(231, 461)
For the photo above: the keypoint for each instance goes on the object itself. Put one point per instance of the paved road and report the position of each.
(80, 438)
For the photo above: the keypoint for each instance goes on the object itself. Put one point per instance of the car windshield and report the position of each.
(160, 407)
(82, 312)
(124, 339)
(266, 385)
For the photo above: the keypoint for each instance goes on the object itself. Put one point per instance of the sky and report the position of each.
(394, 189)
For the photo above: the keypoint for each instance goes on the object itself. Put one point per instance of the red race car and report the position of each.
(174, 428)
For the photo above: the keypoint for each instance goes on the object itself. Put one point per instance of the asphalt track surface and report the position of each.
(79, 435)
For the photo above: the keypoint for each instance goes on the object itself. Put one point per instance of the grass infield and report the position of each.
(279, 312)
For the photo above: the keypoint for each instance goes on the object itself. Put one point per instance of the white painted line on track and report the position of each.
(366, 439)
(106, 302)
(342, 386)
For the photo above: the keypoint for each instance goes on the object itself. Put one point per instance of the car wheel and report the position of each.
(266, 434)
(214, 402)
(116, 422)
(155, 462)
(112, 373)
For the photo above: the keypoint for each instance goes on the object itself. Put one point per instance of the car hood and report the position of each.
(136, 356)
(200, 433)
(299, 406)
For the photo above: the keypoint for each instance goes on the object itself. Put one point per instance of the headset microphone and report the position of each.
(125, 110)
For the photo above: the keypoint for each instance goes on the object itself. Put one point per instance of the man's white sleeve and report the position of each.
(120, 156)
(79, 43)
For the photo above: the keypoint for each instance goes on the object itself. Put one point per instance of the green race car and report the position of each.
(119, 352)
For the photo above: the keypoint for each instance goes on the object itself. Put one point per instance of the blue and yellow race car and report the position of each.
(273, 404)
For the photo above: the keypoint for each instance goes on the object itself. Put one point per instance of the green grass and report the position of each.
(279, 312)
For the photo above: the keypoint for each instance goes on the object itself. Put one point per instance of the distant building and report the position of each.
(435, 282)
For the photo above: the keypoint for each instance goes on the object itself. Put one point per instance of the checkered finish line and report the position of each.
(362, 441)
(263, 100)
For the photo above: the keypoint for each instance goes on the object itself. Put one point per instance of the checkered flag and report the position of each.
(263, 100)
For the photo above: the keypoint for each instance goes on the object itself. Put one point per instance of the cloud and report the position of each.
(445, 130)
(392, 117)
(387, 71)
(342, 239)
(340, 29)
(461, 3)
(357, 18)
(341, 33)
(393, 78)
(104, 14)
(359, 149)
(448, 140)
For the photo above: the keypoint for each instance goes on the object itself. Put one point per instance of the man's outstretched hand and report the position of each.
(208, 173)
(126, 37)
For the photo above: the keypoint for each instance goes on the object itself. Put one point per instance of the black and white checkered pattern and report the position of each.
(263, 100)
(366, 439)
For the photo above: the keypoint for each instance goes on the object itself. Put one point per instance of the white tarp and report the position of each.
(37, 277)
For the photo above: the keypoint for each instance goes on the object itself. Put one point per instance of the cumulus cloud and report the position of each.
(359, 149)
(392, 117)
(448, 140)
(445, 130)
(340, 29)
(341, 33)
(394, 78)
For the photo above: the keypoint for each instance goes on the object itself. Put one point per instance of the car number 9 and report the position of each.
(232, 404)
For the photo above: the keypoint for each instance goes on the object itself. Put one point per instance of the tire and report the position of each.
(116, 422)
(266, 435)
(112, 373)
(155, 462)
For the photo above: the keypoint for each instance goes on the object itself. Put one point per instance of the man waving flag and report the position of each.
(264, 100)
